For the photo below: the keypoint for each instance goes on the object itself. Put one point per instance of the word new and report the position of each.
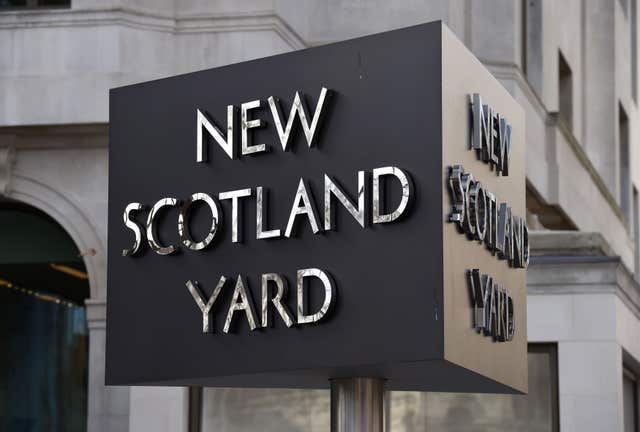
(273, 294)
(226, 142)
(492, 307)
(490, 136)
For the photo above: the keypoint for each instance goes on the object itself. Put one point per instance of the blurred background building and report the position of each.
(571, 64)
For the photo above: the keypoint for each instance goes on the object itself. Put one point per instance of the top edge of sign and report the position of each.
(425, 26)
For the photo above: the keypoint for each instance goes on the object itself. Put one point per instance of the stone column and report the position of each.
(159, 409)
(108, 407)
(590, 386)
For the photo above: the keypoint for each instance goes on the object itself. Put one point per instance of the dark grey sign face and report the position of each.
(385, 317)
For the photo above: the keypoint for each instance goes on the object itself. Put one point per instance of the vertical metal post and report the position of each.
(357, 405)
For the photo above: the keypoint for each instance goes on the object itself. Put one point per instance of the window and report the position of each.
(623, 131)
(565, 91)
(624, 6)
(18, 4)
(636, 233)
(523, 36)
(266, 410)
(634, 50)
(630, 401)
(448, 412)
(269, 410)
(532, 44)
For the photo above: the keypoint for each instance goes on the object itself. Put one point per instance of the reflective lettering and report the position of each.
(298, 107)
(152, 239)
(303, 316)
(307, 208)
(225, 143)
(205, 308)
(281, 285)
(133, 226)
(241, 301)
(331, 188)
(246, 124)
(405, 182)
(234, 196)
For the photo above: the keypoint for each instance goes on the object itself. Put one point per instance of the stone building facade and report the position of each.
(572, 65)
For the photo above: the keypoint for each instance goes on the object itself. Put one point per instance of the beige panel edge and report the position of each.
(504, 362)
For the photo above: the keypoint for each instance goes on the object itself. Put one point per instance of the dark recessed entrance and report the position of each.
(43, 329)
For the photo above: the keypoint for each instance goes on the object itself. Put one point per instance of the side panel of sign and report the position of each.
(484, 232)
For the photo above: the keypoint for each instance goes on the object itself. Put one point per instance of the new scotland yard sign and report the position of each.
(354, 209)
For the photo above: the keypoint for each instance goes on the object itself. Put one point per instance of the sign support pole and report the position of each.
(357, 405)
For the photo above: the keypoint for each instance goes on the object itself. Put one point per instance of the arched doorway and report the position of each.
(43, 327)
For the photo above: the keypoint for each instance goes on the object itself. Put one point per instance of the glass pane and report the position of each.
(54, 2)
(33, 3)
(266, 410)
(43, 363)
(458, 412)
(239, 410)
(630, 403)
(12, 3)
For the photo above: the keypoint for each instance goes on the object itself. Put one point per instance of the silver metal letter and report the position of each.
(261, 217)
(490, 305)
(331, 188)
(377, 203)
(151, 234)
(241, 301)
(299, 107)
(494, 140)
(518, 242)
(511, 323)
(329, 289)
(525, 244)
(249, 124)
(477, 116)
(478, 210)
(502, 316)
(504, 244)
(183, 221)
(281, 284)
(307, 208)
(233, 196)
(492, 221)
(205, 308)
(477, 298)
(497, 325)
(457, 195)
(133, 226)
(505, 147)
(212, 129)
(467, 181)
(481, 127)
